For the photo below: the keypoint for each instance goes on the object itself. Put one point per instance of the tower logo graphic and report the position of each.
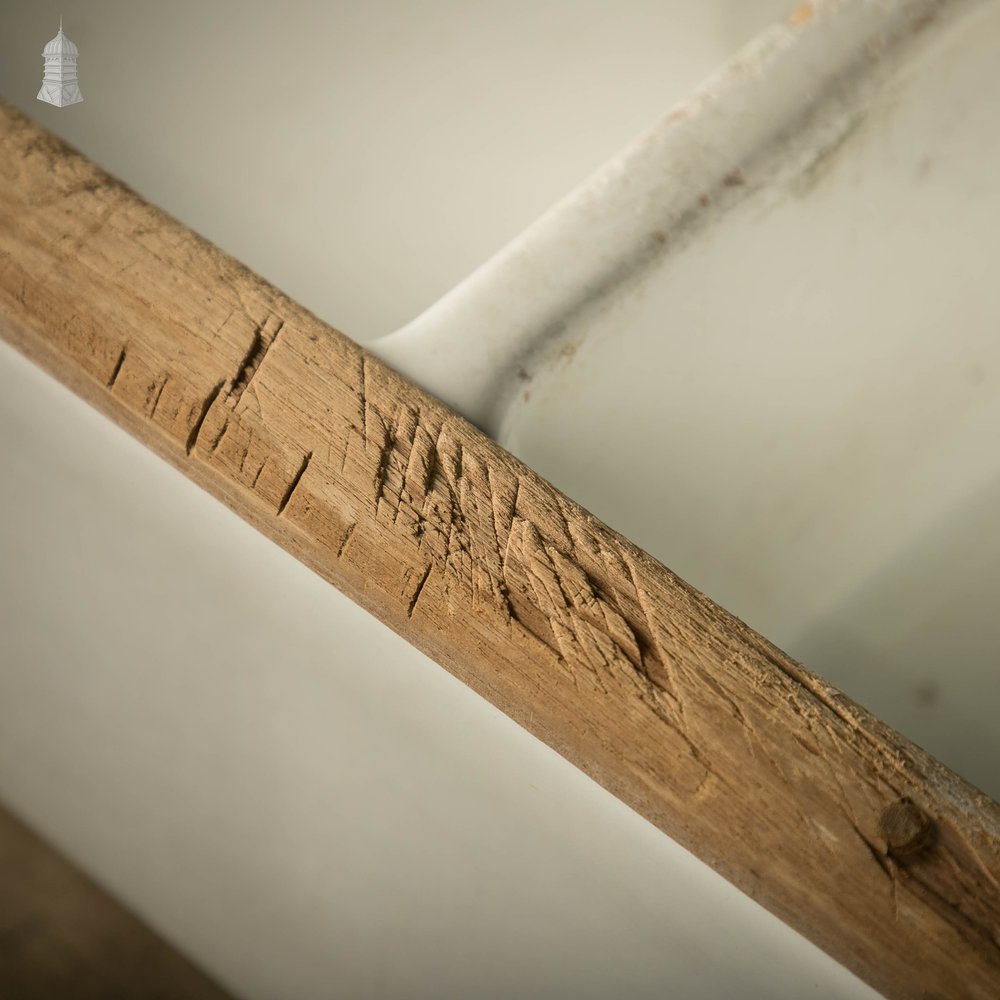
(60, 86)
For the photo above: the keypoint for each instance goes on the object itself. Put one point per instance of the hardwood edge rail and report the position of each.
(760, 768)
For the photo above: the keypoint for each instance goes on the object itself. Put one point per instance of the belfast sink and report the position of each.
(804, 395)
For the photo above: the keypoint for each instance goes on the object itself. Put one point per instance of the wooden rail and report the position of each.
(770, 775)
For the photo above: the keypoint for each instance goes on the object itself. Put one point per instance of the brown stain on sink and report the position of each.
(802, 14)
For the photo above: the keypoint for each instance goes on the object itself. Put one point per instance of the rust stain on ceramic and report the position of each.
(802, 14)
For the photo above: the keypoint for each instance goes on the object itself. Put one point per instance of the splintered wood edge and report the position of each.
(764, 771)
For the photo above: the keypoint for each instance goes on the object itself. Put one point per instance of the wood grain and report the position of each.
(62, 937)
(767, 773)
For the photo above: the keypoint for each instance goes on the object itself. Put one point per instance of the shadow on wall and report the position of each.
(918, 644)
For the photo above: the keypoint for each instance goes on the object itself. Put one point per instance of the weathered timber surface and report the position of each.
(760, 768)
(62, 937)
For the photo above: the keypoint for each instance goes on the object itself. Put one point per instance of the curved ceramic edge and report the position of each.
(475, 346)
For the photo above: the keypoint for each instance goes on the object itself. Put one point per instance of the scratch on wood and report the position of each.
(253, 485)
(156, 399)
(260, 344)
(419, 590)
(296, 479)
(969, 930)
(363, 379)
(884, 863)
(218, 437)
(222, 325)
(382, 466)
(246, 452)
(118, 367)
(407, 429)
(747, 728)
(503, 513)
(561, 511)
(980, 864)
(664, 659)
(347, 448)
(345, 539)
(804, 680)
(192, 438)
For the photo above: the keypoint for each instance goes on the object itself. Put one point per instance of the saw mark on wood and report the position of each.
(245, 454)
(253, 482)
(156, 398)
(293, 485)
(118, 367)
(363, 398)
(261, 343)
(192, 438)
(348, 535)
(419, 590)
(216, 441)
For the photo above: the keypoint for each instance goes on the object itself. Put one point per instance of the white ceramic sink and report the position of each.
(790, 402)
(798, 409)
